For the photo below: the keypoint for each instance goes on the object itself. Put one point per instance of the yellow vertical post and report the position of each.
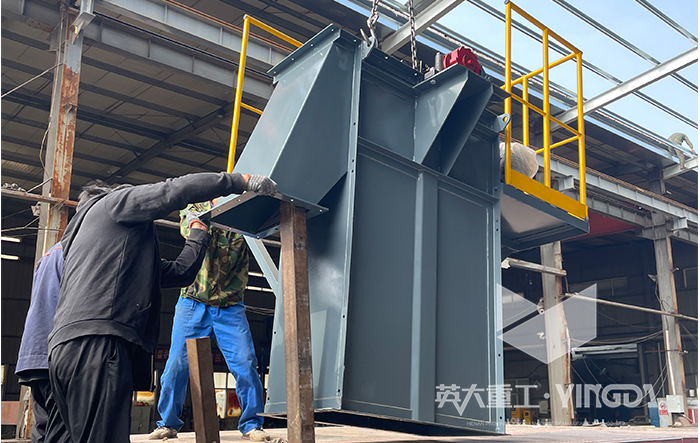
(526, 117)
(581, 140)
(545, 104)
(508, 100)
(239, 96)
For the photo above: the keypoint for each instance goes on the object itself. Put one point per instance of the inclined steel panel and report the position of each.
(434, 106)
(301, 139)
(386, 116)
(378, 349)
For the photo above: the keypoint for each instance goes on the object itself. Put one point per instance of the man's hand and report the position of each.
(260, 184)
(194, 221)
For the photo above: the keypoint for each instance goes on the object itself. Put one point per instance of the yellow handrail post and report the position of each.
(506, 168)
(545, 104)
(237, 103)
(526, 117)
(581, 140)
(239, 96)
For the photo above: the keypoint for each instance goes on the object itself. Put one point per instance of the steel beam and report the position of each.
(176, 137)
(109, 142)
(141, 44)
(6, 63)
(424, 20)
(625, 192)
(618, 211)
(632, 307)
(180, 20)
(267, 265)
(640, 81)
(668, 20)
(675, 170)
(529, 266)
(586, 64)
(99, 117)
(604, 30)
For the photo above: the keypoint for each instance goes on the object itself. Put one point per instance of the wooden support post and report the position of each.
(201, 363)
(297, 325)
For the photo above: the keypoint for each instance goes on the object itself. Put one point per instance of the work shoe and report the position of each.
(256, 435)
(162, 432)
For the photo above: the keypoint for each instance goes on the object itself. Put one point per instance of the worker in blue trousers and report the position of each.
(213, 307)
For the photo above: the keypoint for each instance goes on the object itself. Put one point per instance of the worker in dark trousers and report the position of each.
(109, 307)
(33, 362)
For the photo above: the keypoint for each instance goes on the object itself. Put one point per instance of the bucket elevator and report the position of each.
(401, 182)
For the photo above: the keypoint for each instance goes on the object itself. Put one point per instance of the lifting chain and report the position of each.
(371, 21)
(412, 24)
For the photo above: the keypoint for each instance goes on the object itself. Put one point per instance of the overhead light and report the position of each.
(8, 257)
(11, 239)
(259, 289)
(256, 274)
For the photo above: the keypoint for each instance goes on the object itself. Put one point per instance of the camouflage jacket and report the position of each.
(223, 277)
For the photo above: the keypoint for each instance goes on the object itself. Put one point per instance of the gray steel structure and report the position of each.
(404, 267)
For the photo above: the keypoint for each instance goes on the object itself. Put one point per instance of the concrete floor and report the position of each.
(515, 434)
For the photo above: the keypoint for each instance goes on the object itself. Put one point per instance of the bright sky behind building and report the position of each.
(626, 18)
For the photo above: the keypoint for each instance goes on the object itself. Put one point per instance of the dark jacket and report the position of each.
(33, 350)
(112, 276)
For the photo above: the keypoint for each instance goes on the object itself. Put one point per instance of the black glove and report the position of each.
(192, 217)
(261, 185)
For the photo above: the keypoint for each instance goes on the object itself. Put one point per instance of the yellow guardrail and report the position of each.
(514, 178)
(237, 104)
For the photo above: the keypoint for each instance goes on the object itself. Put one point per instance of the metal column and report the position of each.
(59, 152)
(61, 136)
(667, 297)
(558, 369)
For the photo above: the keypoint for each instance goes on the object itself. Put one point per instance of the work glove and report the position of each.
(260, 184)
(193, 217)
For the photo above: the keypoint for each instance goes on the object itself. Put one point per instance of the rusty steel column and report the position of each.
(60, 140)
(61, 131)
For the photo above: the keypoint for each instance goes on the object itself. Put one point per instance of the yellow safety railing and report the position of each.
(237, 104)
(543, 190)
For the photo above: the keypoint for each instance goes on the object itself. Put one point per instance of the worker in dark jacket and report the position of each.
(32, 364)
(109, 305)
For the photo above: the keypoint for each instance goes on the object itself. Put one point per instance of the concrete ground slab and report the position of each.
(515, 434)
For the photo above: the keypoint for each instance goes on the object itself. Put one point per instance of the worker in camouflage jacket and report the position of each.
(213, 307)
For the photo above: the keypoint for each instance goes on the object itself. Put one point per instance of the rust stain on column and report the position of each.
(65, 119)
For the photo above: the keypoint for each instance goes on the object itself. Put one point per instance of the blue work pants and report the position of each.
(229, 327)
